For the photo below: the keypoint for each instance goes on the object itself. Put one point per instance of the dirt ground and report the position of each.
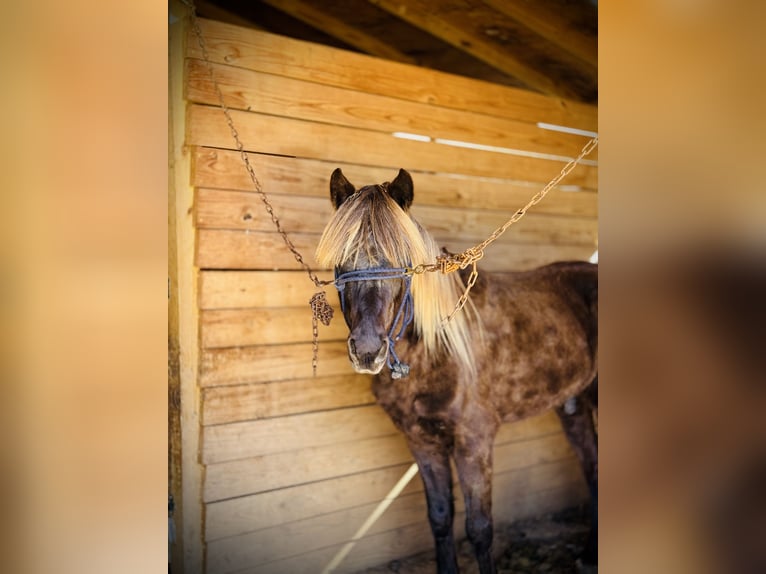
(549, 544)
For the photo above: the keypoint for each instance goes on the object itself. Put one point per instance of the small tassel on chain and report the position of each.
(322, 311)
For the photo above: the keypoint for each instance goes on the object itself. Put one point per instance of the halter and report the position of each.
(405, 313)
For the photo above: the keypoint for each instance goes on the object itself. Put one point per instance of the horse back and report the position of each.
(540, 336)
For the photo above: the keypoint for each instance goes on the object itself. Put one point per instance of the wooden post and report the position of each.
(189, 554)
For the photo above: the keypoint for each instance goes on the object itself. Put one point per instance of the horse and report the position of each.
(524, 343)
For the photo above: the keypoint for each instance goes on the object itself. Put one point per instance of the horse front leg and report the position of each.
(436, 474)
(473, 458)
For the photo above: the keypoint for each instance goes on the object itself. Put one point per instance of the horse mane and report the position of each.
(371, 228)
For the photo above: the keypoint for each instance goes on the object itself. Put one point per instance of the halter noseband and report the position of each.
(405, 313)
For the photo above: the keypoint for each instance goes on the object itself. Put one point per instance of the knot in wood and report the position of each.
(321, 309)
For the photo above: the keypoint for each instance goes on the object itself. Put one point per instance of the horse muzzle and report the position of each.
(368, 355)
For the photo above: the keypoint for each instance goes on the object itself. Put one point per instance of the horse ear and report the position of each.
(401, 189)
(340, 188)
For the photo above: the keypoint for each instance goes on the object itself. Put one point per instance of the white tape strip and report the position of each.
(372, 519)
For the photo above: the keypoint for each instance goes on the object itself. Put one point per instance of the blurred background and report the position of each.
(84, 286)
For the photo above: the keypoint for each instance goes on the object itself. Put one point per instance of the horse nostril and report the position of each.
(352, 346)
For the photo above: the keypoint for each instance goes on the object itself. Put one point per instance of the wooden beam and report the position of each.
(236, 403)
(555, 23)
(311, 14)
(223, 169)
(281, 96)
(283, 56)
(453, 25)
(207, 9)
(247, 439)
(242, 249)
(266, 363)
(221, 328)
(190, 522)
(332, 143)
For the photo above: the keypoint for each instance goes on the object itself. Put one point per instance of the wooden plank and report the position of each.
(280, 470)
(278, 55)
(254, 475)
(247, 439)
(252, 549)
(302, 503)
(478, 224)
(560, 23)
(275, 507)
(268, 509)
(224, 169)
(541, 425)
(235, 441)
(300, 138)
(389, 539)
(271, 363)
(229, 404)
(281, 96)
(264, 289)
(217, 209)
(321, 19)
(231, 249)
(464, 25)
(243, 327)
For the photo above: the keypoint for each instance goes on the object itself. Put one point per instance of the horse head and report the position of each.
(369, 242)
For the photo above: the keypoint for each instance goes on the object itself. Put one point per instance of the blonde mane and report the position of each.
(370, 228)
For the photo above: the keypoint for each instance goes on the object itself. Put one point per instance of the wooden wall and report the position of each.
(292, 465)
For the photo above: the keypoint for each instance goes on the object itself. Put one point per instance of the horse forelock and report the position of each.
(370, 229)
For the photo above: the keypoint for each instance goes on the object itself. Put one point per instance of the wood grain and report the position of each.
(224, 169)
(235, 441)
(300, 138)
(260, 51)
(287, 97)
(231, 249)
(264, 289)
(272, 399)
(217, 209)
(271, 363)
(244, 327)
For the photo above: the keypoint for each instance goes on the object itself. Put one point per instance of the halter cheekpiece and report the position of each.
(405, 313)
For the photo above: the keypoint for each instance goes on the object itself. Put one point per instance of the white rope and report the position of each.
(372, 519)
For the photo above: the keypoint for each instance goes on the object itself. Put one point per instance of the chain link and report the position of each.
(321, 310)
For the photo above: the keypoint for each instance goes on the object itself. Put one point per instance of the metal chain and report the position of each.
(321, 310)
(454, 261)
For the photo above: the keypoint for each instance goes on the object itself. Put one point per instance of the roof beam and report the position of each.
(208, 9)
(450, 26)
(313, 15)
(557, 27)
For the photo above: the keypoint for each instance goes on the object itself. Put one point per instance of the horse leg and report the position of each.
(437, 479)
(473, 459)
(577, 421)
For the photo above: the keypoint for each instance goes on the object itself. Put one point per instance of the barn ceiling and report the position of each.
(549, 46)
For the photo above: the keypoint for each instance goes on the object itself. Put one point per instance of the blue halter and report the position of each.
(405, 313)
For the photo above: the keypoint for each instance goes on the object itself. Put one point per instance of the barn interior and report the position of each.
(271, 468)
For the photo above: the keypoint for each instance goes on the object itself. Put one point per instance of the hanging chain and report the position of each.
(321, 310)
(454, 261)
